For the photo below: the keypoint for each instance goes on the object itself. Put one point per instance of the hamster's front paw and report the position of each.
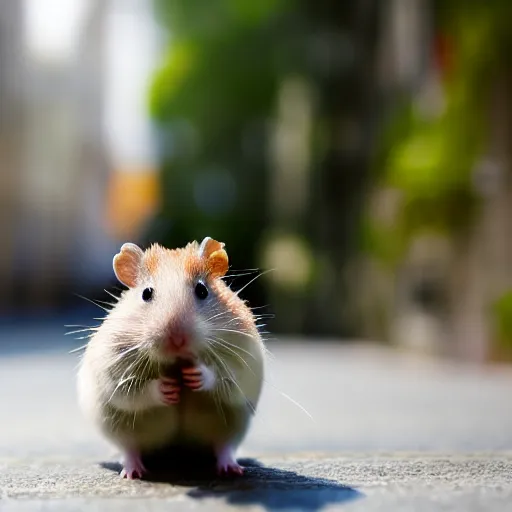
(168, 390)
(198, 378)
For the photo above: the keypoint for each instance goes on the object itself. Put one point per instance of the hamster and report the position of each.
(178, 359)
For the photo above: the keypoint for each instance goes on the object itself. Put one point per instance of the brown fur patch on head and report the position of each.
(153, 258)
(208, 259)
(184, 257)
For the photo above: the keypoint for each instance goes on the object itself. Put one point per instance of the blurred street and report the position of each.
(386, 428)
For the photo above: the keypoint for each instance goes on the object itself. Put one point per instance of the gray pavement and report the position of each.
(387, 431)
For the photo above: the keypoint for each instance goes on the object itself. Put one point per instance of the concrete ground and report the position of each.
(385, 431)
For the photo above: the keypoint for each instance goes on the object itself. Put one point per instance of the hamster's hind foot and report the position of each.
(226, 462)
(133, 467)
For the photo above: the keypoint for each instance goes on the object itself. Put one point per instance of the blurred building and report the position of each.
(133, 47)
(67, 116)
(11, 110)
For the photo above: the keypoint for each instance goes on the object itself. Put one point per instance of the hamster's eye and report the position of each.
(147, 294)
(201, 291)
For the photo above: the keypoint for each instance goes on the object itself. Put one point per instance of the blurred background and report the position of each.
(360, 149)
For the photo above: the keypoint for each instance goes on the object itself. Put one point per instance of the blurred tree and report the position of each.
(214, 100)
(441, 155)
(344, 72)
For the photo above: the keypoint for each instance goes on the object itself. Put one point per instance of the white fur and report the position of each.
(151, 396)
(209, 378)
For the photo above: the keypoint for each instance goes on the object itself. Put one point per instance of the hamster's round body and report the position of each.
(177, 360)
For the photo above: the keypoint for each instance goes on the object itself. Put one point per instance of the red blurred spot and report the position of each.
(444, 54)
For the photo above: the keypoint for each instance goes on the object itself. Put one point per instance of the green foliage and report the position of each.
(211, 99)
(430, 159)
(384, 242)
(502, 319)
(214, 86)
(254, 13)
(203, 21)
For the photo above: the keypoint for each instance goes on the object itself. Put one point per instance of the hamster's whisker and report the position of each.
(224, 342)
(229, 375)
(289, 398)
(81, 326)
(83, 347)
(247, 401)
(254, 279)
(222, 313)
(264, 315)
(240, 272)
(238, 319)
(131, 349)
(220, 363)
(106, 303)
(115, 297)
(119, 384)
(235, 319)
(217, 393)
(145, 370)
(125, 351)
(232, 379)
(117, 361)
(220, 345)
(259, 307)
(130, 385)
(88, 329)
(122, 354)
(140, 363)
(294, 402)
(267, 352)
(123, 378)
(223, 389)
(93, 302)
(218, 404)
(235, 331)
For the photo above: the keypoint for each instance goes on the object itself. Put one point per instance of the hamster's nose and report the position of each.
(177, 341)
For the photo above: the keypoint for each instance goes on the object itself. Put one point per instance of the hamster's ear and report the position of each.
(216, 257)
(127, 264)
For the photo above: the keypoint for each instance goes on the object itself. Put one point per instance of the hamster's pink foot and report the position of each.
(169, 390)
(198, 378)
(227, 464)
(133, 467)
